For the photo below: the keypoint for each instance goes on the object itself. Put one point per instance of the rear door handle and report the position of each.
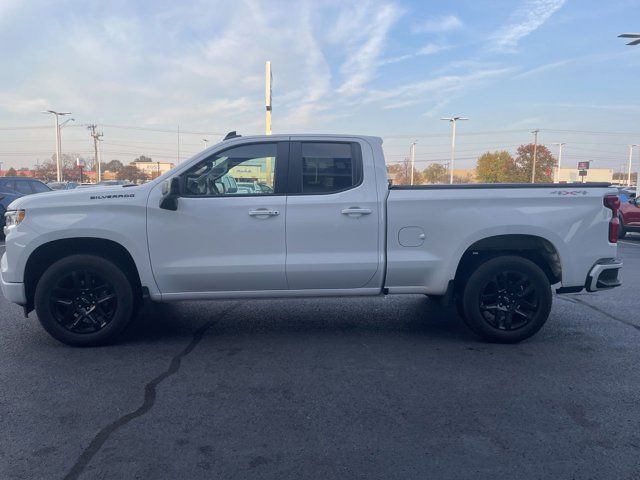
(263, 212)
(356, 211)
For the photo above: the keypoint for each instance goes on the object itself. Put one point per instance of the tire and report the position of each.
(622, 232)
(84, 300)
(2, 222)
(507, 299)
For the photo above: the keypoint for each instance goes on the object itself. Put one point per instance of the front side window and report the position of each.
(243, 170)
(328, 167)
(23, 187)
(39, 187)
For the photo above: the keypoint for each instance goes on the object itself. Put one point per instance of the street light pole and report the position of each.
(630, 160)
(412, 155)
(535, 155)
(99, 155)
(267, 96)
(58, 146)
(453, 121)
(560, 145)
(205, 141)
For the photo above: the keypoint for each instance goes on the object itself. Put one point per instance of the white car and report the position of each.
(330, 226)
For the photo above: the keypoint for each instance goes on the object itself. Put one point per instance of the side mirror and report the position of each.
(170, 194)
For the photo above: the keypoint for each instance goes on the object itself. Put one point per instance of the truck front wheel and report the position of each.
(84, 300)
(507, 299)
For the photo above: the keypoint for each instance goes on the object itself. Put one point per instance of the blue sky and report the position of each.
(389, 68)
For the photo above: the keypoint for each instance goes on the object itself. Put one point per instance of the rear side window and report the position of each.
(329, 167)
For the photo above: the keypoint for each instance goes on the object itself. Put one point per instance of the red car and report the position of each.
(629, 215)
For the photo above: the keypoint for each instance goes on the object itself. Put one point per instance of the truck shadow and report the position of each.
(407, 315)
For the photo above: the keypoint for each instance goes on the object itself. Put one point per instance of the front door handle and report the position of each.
(356, 211)
(263, 212)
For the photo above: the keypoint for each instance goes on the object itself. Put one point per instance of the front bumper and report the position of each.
(14, 292)
(604, 275)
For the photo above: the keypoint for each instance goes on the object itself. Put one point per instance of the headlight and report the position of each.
(13, 218)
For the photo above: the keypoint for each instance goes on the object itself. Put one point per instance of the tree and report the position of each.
(48, 170)
(132, 174)
(11, 172)
(142, 158)
(436, 173)
(112, 166)
(545, 164)
(401, 173)
(496, 167)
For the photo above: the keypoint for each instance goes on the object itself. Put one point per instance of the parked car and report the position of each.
(113, 183)
(12, 188)
(248, 188)
(86, 259)
(629, 216)
(23, 185)
(62, 185)
(6, 197)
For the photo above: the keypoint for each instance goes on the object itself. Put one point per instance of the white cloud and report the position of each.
(525, 20)
(19, 104)
(364, 43)
(428, 90)
(6, 6)
(583, 60)
(428, 49)
(444, 23)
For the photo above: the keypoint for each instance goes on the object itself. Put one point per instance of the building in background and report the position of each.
(19, 173)
(570, 175)
(464, 175)
(152, 169)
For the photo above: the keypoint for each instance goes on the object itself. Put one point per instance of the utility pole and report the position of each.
(557, 176)
(178, 144)
(535, 155)
(58, 146)
(97, 138)
(630, 160)
(412, 155)
(453, 121)
(267, 97)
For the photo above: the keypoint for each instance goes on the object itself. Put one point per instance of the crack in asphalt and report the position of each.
(599, 310)
(150, 395)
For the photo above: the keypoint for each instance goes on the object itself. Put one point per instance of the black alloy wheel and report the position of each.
(507, 299)
(83, 302)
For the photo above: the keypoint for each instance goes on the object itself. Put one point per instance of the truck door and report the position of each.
(333, 216)
(222, 239)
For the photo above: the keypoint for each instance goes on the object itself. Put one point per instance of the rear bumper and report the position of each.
(14, 292)
(604, 275)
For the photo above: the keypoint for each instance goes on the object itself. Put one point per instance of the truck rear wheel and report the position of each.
(622, 232)
(507, 299)
(84, 300)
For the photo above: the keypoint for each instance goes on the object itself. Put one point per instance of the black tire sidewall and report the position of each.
(477, 282)
(622, 232)
(2, 221)
(111, 273)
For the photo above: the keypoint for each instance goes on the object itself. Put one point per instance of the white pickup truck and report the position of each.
(300, 216)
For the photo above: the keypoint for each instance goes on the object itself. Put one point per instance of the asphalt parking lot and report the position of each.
(348, 388)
